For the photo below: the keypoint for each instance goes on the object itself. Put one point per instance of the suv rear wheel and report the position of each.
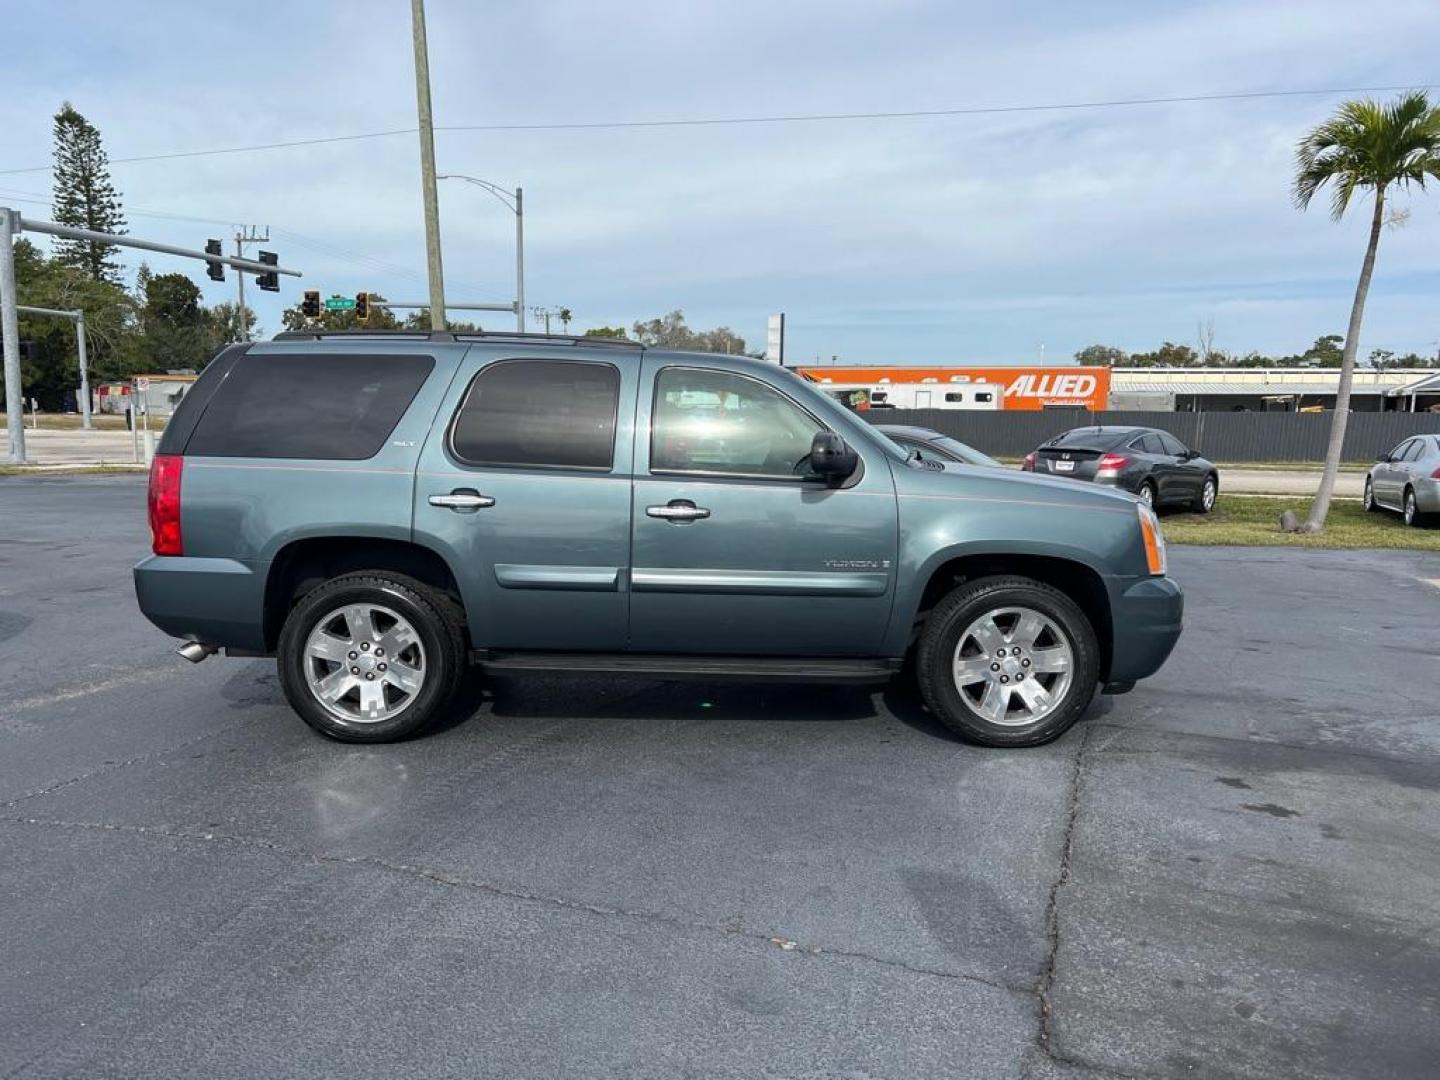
(1007, 661)
(371, 657)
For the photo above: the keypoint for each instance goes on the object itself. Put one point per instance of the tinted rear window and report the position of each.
(1086, 438)
(309, 405)
(545, 413)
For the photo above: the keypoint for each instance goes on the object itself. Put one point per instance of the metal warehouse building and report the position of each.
(1270, 389)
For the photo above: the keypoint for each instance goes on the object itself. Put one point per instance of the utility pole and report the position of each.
(519, 259)
(10, 330)
(427, 166)
(246, 234)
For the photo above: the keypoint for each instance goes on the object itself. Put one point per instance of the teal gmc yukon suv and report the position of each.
(378, 511)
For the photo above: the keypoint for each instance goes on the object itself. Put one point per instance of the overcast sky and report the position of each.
(937, 240)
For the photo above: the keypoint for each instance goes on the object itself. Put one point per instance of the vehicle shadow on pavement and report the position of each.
(623, 697)
(626, 697)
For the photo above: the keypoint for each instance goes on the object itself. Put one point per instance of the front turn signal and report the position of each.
(1154, 540)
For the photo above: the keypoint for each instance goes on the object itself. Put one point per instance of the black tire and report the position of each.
(438, 623)
(1154, 500)
(1206, 496)
(941, 638)
(1371, 506)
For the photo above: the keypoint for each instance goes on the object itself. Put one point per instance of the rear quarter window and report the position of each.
(308, 405)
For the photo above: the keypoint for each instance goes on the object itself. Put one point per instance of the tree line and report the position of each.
(1327, 352)
(160, 323)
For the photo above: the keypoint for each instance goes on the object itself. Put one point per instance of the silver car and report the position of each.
(1407, 479)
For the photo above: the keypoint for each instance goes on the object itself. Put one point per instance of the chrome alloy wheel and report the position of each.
(1013, 666)
(1411, 510)
(1207, 495)
(1147, 494)
(364, 663)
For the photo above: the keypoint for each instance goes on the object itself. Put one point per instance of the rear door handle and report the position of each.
(463, 499)
(678, 512)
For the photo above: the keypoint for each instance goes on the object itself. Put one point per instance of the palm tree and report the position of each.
(1371, 146)
(565, 318)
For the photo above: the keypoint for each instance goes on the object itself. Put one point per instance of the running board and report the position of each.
(852, 670)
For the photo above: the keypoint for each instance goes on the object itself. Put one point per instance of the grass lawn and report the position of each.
(68, 470)
(1252, 521)
(1295, 466)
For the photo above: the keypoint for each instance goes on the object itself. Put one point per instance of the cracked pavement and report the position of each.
(1230, 871)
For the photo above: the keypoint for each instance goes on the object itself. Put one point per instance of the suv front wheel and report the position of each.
(371, 657)
(1008, 661)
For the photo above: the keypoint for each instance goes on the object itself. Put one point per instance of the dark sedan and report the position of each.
(933, 446)
(1151, 464)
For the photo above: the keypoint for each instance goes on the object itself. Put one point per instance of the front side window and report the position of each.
(1398, 453)
(556, 414)
(1416, 449)
(708, 421)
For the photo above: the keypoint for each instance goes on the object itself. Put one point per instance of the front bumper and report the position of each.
(215, 601)
(1147, 618)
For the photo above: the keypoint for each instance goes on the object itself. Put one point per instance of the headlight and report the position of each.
(1154, 540)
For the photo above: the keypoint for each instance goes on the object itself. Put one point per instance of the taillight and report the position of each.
(164, 504)
(1112, 463)
(1435, 475)
(1029, 463)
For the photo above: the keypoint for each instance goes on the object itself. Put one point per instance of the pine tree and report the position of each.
(84, 196)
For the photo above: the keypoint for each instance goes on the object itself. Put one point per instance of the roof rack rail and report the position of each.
(464, 336)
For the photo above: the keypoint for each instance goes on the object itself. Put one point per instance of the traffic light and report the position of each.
(310, 306)
(216, 270)
(268, 282)
(362, 307)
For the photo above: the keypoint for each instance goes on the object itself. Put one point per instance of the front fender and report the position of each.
(1102, 537)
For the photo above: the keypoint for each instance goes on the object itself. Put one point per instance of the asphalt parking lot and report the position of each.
(1230, 871)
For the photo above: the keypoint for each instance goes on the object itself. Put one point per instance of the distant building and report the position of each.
(1213, 389)
(982, 388)
(1290, 389)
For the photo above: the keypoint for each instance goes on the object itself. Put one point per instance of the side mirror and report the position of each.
(832, 458)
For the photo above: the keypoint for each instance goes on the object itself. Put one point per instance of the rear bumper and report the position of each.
(1147, 618)
(215, 601)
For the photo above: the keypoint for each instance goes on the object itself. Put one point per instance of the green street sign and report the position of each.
(340, 303)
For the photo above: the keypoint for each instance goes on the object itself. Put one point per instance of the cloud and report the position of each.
(934, 239)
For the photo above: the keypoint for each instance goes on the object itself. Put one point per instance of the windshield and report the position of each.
(964, 452)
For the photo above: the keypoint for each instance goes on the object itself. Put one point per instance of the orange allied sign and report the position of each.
(1027, 388)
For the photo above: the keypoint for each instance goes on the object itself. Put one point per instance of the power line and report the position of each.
(798, 118)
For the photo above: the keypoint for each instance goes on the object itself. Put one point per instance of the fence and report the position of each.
(1220, 436)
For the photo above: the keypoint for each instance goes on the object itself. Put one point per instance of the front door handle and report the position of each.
(678, 512)
(463, 499)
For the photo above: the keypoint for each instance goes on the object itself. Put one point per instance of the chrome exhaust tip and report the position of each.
(194, 651)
